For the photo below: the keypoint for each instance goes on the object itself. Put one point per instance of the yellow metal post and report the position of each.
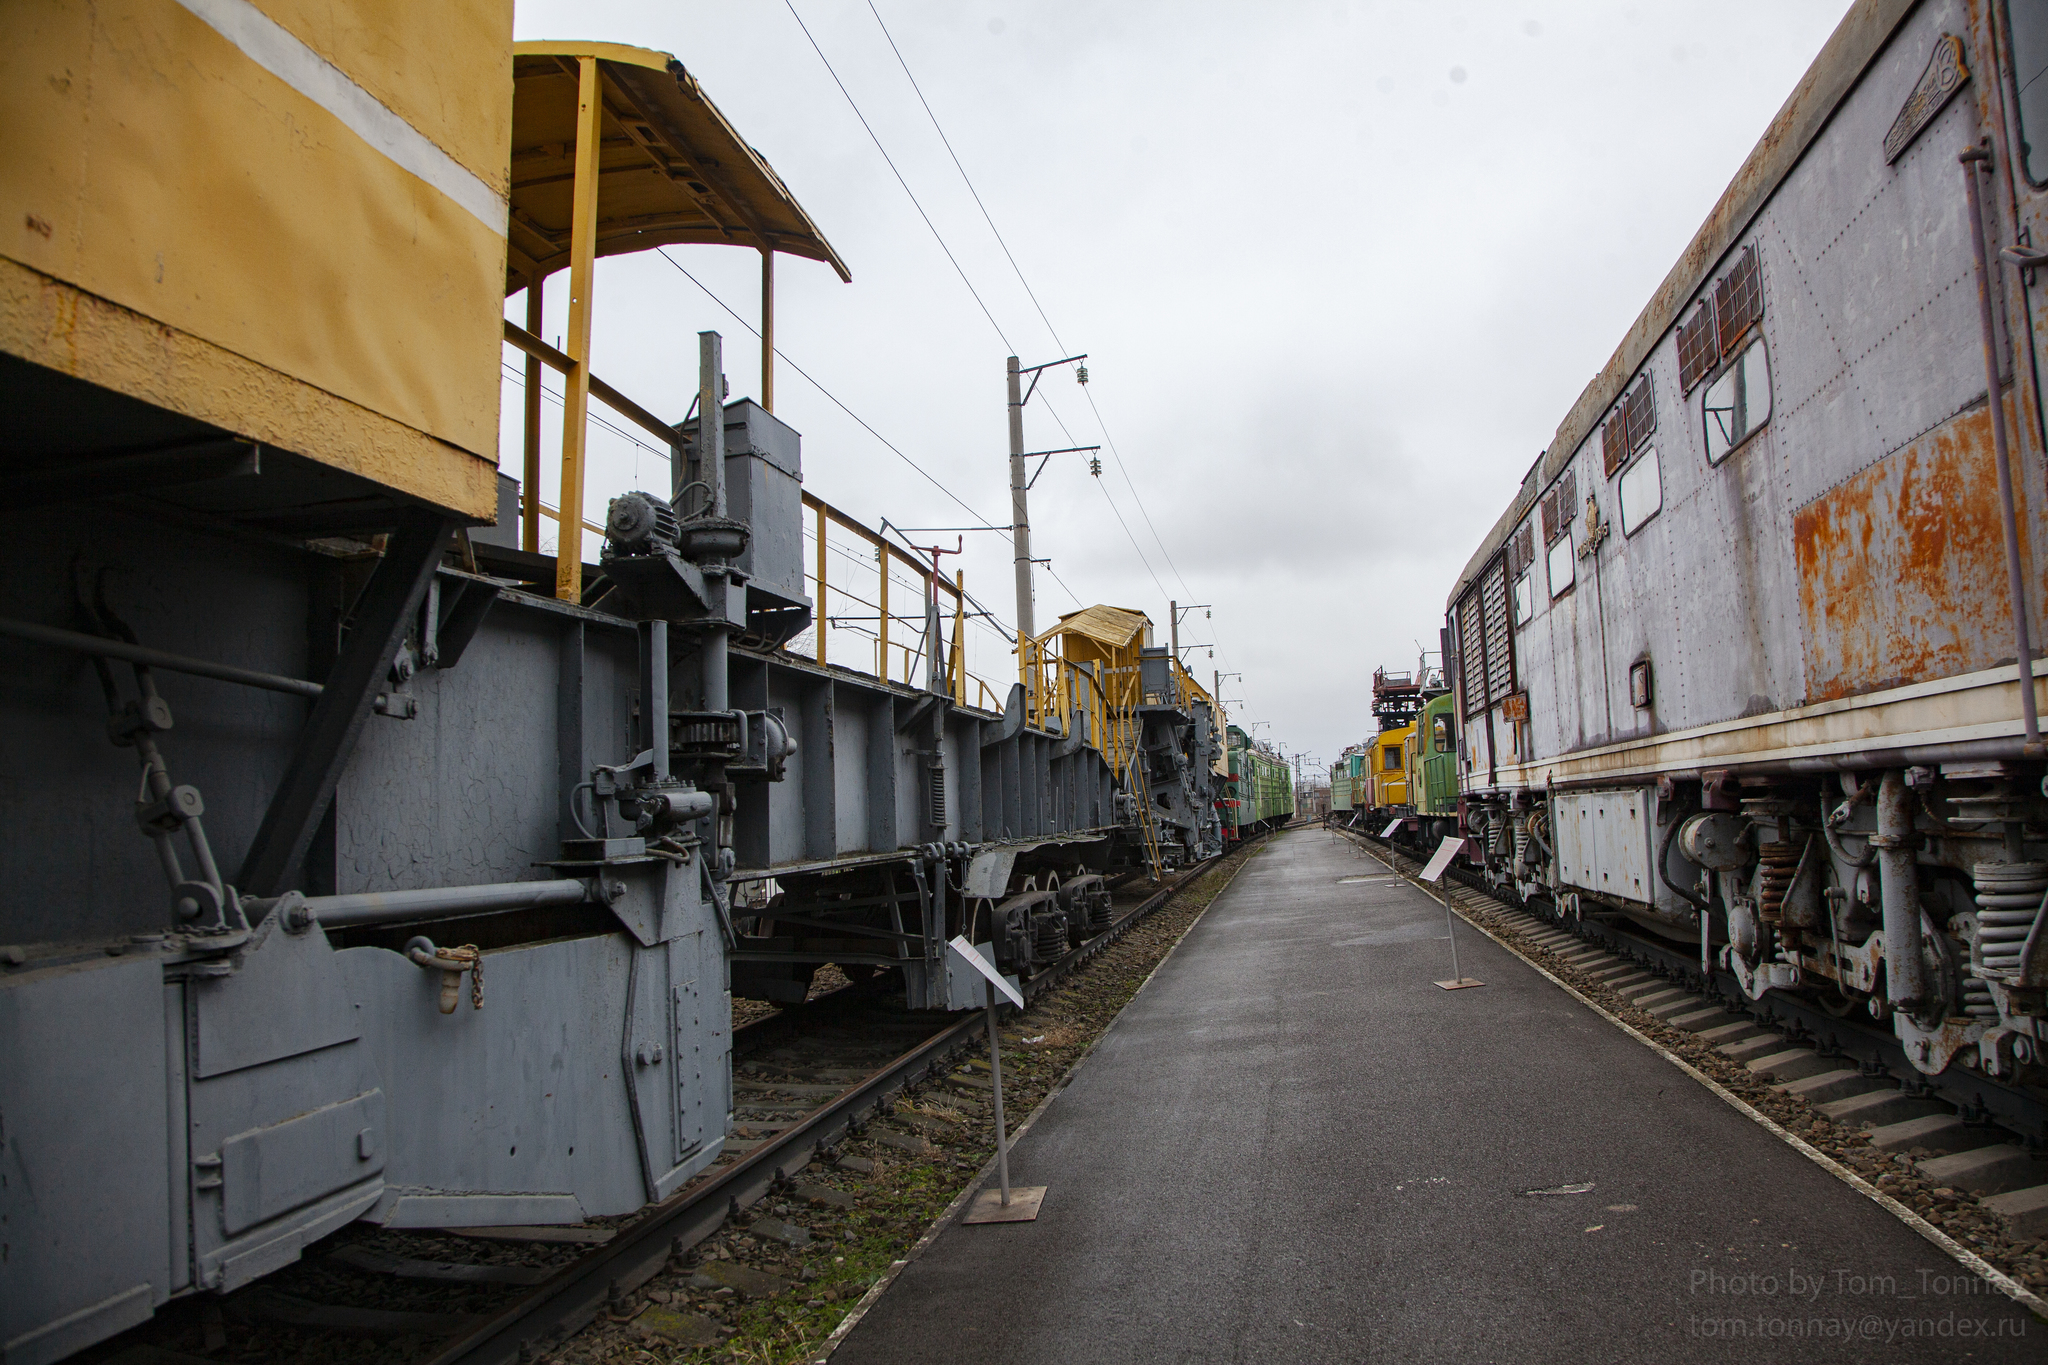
(768, 328)
(818, 613)
(957, 665)
(1061, 705)
(529, 470)
(582, 279)
(882, 635)
(1024, 668)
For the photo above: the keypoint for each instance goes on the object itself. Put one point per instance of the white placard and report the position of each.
(1441, 859)
(1392, 825)
(965, 950)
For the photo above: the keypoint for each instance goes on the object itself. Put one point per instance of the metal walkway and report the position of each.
(1293, 1147)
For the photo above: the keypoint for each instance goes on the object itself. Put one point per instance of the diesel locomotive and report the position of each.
(1750, 662)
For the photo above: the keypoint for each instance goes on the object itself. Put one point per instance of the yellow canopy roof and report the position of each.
(671, 169)
(1110, 627)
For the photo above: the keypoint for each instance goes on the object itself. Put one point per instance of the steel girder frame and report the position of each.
(854, 817)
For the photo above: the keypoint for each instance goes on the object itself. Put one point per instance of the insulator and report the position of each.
(938, 792)
(2009, 896)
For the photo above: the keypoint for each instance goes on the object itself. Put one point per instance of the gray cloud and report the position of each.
(1335, 299)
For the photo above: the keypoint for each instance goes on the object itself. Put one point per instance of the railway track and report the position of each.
(1962, 1134)
(559, 1307)
(805, 1081)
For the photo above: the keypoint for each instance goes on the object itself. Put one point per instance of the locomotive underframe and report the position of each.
(1791, 879)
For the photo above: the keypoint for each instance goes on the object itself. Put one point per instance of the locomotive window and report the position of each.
(2028, 21)
(1525, 597)
(1561, 563)
(1642, 492)
(1738, 403)
(1442, 728)
(1393, 759)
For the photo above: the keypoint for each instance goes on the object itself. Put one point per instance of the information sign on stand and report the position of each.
(1433, 872)
(1004, 1205)
(1392, 825)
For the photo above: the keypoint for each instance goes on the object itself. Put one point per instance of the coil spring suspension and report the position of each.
(1780, 865)
(2008, 898)
(1048, 937)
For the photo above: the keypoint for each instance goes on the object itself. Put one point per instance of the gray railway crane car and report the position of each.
(1738, 662)
(1180, 746)
(363, 863)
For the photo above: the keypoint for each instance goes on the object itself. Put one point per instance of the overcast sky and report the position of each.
(1340, 271)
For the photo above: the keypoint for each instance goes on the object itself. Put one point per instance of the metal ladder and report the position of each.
(1145, 822)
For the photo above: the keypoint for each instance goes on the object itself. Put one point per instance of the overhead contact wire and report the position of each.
(937, 236)
(1032, 294)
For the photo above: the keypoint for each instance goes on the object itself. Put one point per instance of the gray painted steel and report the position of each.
(1276, 1153)
(254, 1078)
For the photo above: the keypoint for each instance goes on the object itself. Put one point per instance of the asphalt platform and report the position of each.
(1291, 1146)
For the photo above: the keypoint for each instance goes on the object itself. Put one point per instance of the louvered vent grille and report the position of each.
(1560, 504)
(1735, 305)
(1739, 299)
(1500, 659)
(1699, 347)
(1522, 550)
(1614, 443)
(1634, 419)
(1472, 653)
(1641, 408)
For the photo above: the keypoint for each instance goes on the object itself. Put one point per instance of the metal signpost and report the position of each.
(1434, 873)
(1005, 1205)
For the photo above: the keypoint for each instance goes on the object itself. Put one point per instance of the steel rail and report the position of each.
(574, 1297)
(1977, 1097)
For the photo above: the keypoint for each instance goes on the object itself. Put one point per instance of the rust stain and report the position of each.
(1902, 567)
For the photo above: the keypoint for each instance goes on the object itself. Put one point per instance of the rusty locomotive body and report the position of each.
(1738, 665)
